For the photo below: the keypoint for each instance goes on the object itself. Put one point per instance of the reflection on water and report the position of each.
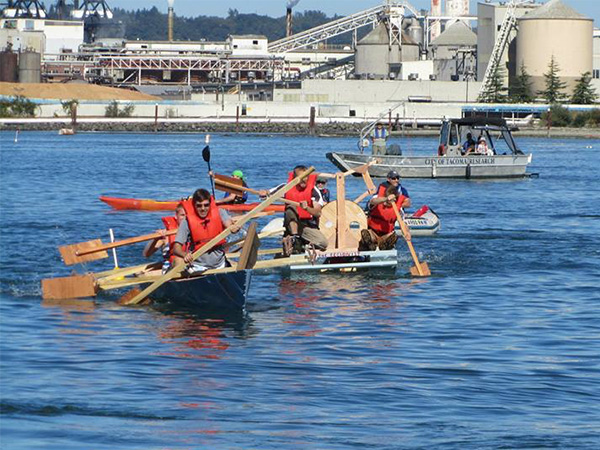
(202, 337)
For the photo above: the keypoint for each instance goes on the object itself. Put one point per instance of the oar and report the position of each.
(419, 269)
(206, 157)
(224, 183)
(93, 250)
(175, 271)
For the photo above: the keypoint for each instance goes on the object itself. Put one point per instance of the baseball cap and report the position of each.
(393, 174)
(237, 173)
(321, 179)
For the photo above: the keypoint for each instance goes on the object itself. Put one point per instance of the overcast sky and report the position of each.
(276, 8)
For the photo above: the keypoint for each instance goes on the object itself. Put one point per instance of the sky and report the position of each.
(276, 8)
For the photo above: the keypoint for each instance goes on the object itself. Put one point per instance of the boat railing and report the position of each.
(365, 132)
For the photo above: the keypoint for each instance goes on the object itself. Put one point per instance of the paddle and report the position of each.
(206, 158)
(234, 186)
(419, 269)
(93, 250)
(175, 271)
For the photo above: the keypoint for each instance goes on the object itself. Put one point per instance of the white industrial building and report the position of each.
(61, 36)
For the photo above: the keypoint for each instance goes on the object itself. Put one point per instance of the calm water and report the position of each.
(498, 349)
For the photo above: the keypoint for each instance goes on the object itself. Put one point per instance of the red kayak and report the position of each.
(143, 204)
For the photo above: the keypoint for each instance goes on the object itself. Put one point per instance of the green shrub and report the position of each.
(17, 107)
(113, 110)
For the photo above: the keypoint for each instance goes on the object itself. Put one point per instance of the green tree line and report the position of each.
(151, 24)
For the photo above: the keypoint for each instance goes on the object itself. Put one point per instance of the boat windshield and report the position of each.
(499, 139)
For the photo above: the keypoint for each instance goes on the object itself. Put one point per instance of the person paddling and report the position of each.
(381, 217)
(166, 242)
(232, 199)
(204, 221)
(301, 224)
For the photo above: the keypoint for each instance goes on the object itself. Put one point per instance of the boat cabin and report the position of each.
(454, 136)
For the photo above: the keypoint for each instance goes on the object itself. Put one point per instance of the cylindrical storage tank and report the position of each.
(30, 67)
(415, 32)
(9, 68)
(373, 54)
(555, 30)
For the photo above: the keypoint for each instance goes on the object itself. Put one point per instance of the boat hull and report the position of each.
(349, 261)
(469, 167)
(142, 204)
(227, 291)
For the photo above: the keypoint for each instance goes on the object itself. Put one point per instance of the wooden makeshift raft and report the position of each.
(340, 222)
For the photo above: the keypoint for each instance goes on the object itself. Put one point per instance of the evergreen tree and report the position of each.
(584, 93)
(520, 90)
(554, 87)
(496, 92)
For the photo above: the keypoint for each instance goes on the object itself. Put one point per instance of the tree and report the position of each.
(496, 92)
(554, 86)
(584, 93)
(520, 90)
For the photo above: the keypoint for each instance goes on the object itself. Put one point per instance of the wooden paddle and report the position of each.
(96, 249)
(175, 271)
(234, 186)
(419, 269)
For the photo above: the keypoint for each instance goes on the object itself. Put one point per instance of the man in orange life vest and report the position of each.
(302, 224)
(166, 242)
(382, 218)
(204, 221)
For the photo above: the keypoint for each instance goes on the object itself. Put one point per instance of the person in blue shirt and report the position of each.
(232, 199)
(469, 145)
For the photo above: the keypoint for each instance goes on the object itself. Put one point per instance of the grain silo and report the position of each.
(30, 64)
(375, 58)
(554, 30)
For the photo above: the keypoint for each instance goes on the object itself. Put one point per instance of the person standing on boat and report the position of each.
(204, 221)
(381, 217)
(302, 224)
(165, 243)
(379, 137)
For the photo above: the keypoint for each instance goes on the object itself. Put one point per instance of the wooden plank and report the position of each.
(71, 253)
(249, 253)
(342, 225)
(69, 287)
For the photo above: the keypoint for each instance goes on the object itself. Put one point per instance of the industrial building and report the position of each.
(402, 45)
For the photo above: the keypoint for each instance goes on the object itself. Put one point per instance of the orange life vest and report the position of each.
(298, 195)
(171, 224)
(382, 218)
(203, 230)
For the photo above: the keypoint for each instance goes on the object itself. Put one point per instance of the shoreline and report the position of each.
(290, 128)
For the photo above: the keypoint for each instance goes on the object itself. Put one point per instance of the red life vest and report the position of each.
(298, 195)
(382, 218)
(203, 230)
(171, 224)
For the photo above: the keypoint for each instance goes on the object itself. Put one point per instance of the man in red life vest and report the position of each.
(382, 217)
(302, 224)
(166, 242)
(204, 221)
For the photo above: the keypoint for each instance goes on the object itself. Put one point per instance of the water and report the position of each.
(498, 349)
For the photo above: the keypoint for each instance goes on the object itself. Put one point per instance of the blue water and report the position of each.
(499, 349)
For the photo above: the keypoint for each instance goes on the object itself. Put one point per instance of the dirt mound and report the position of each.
(68, 91)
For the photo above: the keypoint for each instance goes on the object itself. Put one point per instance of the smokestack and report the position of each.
(436, 26)
(170, 19)
(288, 16)
(288, 22)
